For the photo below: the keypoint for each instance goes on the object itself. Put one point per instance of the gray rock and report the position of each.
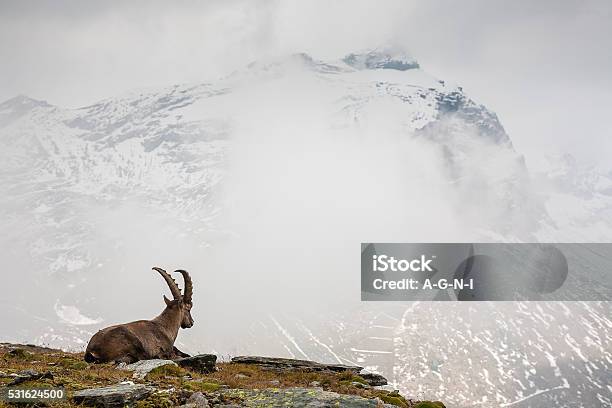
(202, 363)
(28, 372)
(198, 400)
(29, 375)
(143, 367)
(288, 364)
(375, 380)
(118, 395)
(298, 397)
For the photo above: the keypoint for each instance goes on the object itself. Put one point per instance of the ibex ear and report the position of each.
(168, 301)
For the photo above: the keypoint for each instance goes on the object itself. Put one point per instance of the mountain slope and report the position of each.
(262, 184)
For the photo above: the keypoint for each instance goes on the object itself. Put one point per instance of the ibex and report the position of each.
(146, 339)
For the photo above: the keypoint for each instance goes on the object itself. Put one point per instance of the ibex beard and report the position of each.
(146, 339)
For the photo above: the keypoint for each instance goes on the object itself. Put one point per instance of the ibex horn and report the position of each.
(188, 285)
(176, 293)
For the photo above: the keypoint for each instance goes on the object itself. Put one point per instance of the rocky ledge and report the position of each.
(288, 364)
(198, 382)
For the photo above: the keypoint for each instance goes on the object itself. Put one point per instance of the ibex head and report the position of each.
(179, 303)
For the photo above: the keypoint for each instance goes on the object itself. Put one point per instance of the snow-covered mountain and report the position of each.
(169, 145)
(302, 159)
(577, 197)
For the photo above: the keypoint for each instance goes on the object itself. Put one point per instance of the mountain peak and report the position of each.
(381, 58)
(23, 101)
(16, 107)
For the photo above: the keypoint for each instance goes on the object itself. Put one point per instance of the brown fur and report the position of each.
(146, 339)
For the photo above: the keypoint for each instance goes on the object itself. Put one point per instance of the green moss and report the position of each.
(398, 401)
(73, 364)
(156, 401)
(165, 371)
(393, 398)
(359, 379)
(429, 404)
(351, 377)
(70, 383)
(204, 386)
(20, 354)
(208, 387)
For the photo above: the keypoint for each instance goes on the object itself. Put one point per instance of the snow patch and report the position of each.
(72, 315)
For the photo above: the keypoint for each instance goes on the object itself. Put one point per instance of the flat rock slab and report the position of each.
(143, 367)
(202, 363)
(118, 395)
(288, 364)
(27, 347)
(29, 375)
(300, 397)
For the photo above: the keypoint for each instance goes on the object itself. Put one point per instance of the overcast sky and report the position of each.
(543, 66)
